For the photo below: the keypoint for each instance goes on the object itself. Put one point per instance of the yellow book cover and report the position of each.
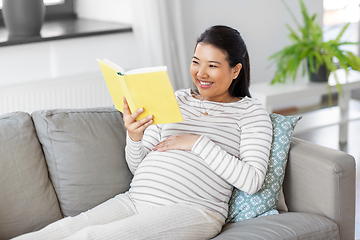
(148, 88)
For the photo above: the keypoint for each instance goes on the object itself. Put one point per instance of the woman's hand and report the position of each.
(135, 128)
(177, 142)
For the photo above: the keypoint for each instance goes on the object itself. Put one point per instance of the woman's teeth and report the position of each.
(205, 83)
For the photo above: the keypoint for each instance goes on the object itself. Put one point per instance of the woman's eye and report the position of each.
(212, 66)
(195, 62)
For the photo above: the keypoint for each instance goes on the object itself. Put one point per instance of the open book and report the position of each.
(148, 88)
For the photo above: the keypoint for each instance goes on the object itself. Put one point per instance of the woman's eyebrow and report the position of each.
(215, 62)
(208, 61)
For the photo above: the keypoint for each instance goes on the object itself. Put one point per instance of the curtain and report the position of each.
(158, 30)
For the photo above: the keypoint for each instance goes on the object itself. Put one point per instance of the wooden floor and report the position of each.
(328, 136)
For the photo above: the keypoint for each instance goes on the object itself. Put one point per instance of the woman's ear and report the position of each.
(236, 70)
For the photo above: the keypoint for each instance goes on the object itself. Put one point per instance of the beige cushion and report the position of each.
(84, 150)
(27, 198)
(288, 225)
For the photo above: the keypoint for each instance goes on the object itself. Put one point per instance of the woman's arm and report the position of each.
(135, 152)
(246, 172)
(136, 144)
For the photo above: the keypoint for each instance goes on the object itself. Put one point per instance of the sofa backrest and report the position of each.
(27, 198)
(84, 151)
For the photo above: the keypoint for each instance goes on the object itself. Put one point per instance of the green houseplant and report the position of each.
(310, 51)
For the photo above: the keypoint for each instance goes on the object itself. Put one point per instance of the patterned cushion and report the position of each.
(244, 206)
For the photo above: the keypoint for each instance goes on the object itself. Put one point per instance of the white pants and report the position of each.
(120, 218)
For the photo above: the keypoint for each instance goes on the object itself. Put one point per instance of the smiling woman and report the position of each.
(184, 173)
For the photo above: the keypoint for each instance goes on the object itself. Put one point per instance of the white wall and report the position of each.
(260, 22)
(64, 58)
(262, 25)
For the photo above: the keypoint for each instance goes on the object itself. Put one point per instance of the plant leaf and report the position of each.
(337, 39)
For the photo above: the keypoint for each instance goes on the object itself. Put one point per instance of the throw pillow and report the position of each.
(84, 151)
(27, 200)
(242, 205)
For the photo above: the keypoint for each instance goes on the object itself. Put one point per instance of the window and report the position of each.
(337, 12)
(336, 15)
(55, 9)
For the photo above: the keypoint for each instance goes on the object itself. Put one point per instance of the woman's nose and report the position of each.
(202, 73)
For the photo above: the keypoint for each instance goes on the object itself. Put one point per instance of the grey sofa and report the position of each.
(58, 163)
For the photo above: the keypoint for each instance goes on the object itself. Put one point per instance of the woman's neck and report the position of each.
(202, 98)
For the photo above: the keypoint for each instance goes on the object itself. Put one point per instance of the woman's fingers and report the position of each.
(169, 143)
(126, 108)
(177, 142)
(127, 111)
(142, 124)
(130, 118)
(135, 128)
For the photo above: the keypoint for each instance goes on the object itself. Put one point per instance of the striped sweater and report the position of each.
(233, 151)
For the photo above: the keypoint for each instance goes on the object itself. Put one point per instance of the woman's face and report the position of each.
(212, 74)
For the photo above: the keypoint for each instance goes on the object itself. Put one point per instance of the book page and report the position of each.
(113, 65)
(146, 70)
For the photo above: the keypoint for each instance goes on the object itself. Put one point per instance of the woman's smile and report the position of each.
(211, 73)
(205, 84)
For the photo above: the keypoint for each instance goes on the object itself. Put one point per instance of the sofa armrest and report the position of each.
(321, 180)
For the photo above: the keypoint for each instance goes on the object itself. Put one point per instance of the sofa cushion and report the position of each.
(243, 205)
(27, 198)
(284, 226)
(84, 150)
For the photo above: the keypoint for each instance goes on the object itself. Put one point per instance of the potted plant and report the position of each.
(23, 18)
(310, 51)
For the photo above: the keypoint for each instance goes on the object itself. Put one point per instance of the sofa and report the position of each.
(58, 163)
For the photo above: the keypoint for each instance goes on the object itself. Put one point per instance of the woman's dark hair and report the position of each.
(231, 43)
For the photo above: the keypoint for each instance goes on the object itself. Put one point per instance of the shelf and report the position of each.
(301, 89)
(66, 29)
